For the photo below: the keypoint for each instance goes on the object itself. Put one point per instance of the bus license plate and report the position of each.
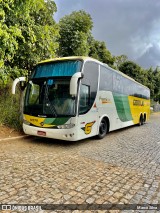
(41, 133)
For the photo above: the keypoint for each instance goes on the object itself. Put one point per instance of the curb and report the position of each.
(13, 138)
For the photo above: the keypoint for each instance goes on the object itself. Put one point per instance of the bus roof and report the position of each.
(66, 58)
(86, 58)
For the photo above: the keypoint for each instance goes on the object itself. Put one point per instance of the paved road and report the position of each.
(122, 168)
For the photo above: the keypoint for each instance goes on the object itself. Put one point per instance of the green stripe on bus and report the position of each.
(123, 107)
(60, 121)
(56, 121)
(49, 120)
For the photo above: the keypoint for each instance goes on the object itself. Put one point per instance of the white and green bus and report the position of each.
(73, 98)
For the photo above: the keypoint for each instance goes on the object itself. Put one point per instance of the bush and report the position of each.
(9, 108)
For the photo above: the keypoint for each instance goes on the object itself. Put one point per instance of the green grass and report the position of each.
(9, 108)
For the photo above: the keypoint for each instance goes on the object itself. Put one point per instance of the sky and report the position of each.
(129, 27)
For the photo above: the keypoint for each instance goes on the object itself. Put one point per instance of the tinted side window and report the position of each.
(115, 82)
(106, 76)
(84, 98)
(90, 79)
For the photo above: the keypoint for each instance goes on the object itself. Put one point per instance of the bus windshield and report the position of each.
(48, 92)
(57, 69)
(49, 97)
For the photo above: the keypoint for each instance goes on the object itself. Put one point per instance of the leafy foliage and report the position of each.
(9, 108)
(120, 60)
(28, 34)
(156, 83)
(99, 51)
(133, 70)
(75, 29)
(149, 78)
(76, 38)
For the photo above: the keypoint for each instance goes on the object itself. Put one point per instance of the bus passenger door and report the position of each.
(87, 110)
(87, 114)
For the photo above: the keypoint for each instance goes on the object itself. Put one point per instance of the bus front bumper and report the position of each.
(61, 134)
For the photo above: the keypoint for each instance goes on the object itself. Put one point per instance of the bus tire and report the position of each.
(103, 128)
(141, 120)
(144, 118)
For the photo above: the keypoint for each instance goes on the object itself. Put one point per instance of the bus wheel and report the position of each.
(141, 121)
(102, 128)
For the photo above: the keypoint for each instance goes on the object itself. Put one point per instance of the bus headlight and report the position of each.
(26, 122)
(66, 126)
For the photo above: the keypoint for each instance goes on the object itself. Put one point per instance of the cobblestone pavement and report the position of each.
(123, 168)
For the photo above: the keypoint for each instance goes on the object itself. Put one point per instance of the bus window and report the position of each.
(106, 79)
(34, 95)
(84, 99)
(91, 79)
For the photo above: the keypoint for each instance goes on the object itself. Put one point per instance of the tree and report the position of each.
(156, 80)
(99, 51)
(133, 70)
(9, 36)
(75, 30)
(120, 60)
(150, 83)
(28, 34)
(149, 78)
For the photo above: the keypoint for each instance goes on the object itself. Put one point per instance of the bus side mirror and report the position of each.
(22, 80)
(73, 83)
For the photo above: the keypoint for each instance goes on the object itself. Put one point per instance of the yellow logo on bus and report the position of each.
(88, 127)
